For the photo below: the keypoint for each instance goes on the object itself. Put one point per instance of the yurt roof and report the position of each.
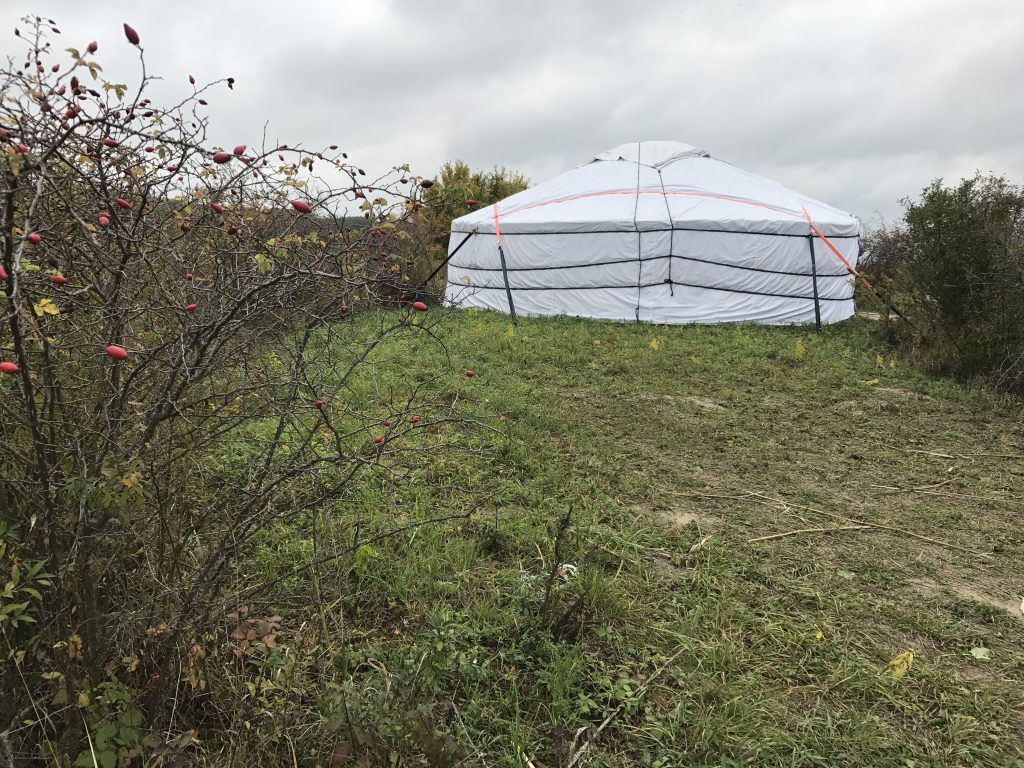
(673, 186)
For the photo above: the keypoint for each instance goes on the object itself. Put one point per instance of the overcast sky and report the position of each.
(855, 103)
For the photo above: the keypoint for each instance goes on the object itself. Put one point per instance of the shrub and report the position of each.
(180, 373)
(955, 267)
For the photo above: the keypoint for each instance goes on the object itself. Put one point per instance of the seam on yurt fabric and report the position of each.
(639, 237)
(671, 233)
(637, 192)
(471, 268)
(475, 287)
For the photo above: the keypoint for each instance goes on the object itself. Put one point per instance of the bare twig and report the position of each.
(810, 530)
(929, 490)
(854, 521)
(763, 499)
(957, 455)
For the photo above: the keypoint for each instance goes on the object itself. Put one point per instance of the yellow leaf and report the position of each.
(654, 344)
(130, 480)
(75, 648)
(901, 664)
(869, 382)
(83, 699)
(45, 307)
(800, 351)
(879, 361)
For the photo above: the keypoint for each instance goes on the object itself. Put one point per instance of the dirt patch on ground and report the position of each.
(906, 394)
(707, 405)
(700, 402)
(992, 595)
(851, 407)
(677, 519)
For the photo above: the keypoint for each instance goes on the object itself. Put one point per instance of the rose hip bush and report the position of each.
(177, 358)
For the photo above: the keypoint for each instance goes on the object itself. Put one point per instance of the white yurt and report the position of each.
(659, 232)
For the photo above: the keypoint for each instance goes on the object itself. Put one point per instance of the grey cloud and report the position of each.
(857, 104)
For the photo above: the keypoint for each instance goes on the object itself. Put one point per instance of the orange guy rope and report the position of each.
(834, 250)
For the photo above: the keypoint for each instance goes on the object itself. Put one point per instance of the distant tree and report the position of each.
(458, 187)
(458, 190)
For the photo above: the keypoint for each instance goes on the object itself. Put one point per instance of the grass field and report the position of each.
(678, 638)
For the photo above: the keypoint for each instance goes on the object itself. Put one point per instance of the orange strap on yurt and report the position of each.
(497, 229)
(826, 241)
(504, 267)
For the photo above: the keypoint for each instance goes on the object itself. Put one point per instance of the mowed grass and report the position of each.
(677, 640)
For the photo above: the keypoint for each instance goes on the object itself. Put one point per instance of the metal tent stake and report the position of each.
(508, 290)
(814, 284)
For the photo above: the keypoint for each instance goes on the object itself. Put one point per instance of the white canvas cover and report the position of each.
(678, 237)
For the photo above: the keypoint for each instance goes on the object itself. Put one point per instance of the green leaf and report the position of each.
(981, 653)
(264, 263)
(848, 575)
(131, 718)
